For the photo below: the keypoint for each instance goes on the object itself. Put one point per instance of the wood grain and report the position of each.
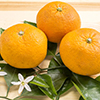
(34, 6)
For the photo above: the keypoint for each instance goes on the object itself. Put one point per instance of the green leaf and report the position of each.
(31, 23)
(1, 30)
(1, 58)
(88, 88)
(58, 75)
(81, 98)
(59, 72)
(50, 92)
(12, 74)
(65, 87)
(52, 47)
(25, 99)
(35, 91)
(98, 78)
(78, 89)
(2, 65)
(56, 61)
(39, 82)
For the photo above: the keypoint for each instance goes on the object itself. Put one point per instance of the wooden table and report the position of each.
(16, 11)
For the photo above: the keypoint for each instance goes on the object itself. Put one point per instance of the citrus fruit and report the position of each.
(23, 46)
(56, 19)
(80, 51)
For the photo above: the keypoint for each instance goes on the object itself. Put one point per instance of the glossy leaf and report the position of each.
(11, 76)
(81, 98)
(35, 91)
(25, 99)
(88, 88)
(58, 73)
(50, 92)
(56, 61)
(65, 87)
(31, 23)
(1, 30)
(1, 58)
(12, 73)
(2, 65)
(39, 82)
(98, 78)
(52, 47)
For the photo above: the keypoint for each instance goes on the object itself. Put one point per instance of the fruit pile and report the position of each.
(25, 46)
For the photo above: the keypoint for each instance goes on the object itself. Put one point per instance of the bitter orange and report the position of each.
(80, 51)
(56, 19)
(23, 46)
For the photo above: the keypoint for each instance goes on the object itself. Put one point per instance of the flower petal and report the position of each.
(16, 83)
(0, 68)
(29, 78)
(2, 73)
(27, 87)
(21, 78)
(21, 87)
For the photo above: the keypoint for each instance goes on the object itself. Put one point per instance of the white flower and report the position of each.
(2, 73)
(23, 83)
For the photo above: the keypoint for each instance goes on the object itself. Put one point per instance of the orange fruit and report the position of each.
(80, 51)
(56, 19)
(23, 46)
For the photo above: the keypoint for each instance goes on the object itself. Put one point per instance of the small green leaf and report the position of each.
(78, 89)
(56, 61)
(35, 91)
(81, 98)
(31, 23)
(12, 74)
(39, 82)
(88, 88)
(2, 65)
(24, 99)
(1, 30)
(58, 76)
(98, 78)
(65, 87)
(52, 47)
(50, 92)
(1, 58)
(59, 72)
